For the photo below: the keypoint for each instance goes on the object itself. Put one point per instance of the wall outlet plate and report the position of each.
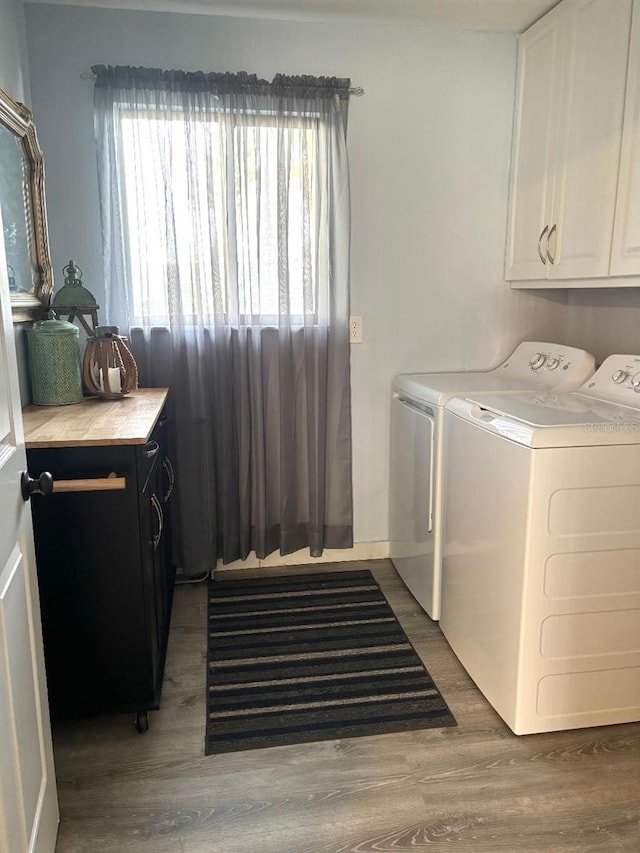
(355, 330)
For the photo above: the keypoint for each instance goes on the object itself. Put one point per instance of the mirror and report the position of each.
(23, 212)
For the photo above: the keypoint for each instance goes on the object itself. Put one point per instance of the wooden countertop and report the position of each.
(129, 420)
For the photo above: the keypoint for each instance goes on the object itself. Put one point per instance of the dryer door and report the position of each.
(411, 473)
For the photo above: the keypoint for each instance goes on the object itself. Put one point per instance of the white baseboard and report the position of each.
(360, 551)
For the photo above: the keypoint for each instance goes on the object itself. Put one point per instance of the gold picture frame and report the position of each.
(24, 216)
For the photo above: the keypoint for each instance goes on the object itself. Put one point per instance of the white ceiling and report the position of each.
(508, 15)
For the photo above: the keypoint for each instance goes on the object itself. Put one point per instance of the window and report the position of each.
(220, 216)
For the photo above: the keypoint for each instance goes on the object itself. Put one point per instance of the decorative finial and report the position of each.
(72, 274)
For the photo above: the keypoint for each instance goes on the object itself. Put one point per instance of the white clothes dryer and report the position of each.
(541, 565)
(416, 458)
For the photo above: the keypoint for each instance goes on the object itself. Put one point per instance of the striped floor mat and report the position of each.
(303, 658)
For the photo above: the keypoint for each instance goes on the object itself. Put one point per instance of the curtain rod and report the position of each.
(356, 91)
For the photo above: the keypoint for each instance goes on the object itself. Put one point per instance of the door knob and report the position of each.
(42, 486)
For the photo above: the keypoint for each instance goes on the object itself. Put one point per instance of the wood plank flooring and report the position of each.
(475, 788)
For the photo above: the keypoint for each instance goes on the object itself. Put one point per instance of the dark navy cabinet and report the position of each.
(106, 573)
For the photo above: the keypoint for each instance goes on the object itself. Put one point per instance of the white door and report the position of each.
(594, 68)
(534, 150)
(28, 800)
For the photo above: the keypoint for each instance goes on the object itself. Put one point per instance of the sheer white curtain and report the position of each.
(225, 214)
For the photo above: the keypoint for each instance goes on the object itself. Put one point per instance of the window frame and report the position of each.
(310, 120)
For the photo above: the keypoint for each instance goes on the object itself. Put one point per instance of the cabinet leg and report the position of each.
(142, 721)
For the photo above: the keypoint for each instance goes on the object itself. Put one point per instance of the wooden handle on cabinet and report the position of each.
(112, 483)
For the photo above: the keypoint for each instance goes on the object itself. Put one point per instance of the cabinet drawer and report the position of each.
(80, 463)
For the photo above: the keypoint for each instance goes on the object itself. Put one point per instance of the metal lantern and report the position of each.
(109, 369)
(54, 362)
(75, 300)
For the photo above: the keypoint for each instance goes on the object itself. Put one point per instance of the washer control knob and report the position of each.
(635, 382)
(552, 363)
(620, 376)
(537, 361)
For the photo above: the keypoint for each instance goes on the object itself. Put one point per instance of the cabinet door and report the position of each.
(594, 68)
(150, 531)
(535, 139)
(166, 492)
(91, 584)
(625, 256)
(157, 590)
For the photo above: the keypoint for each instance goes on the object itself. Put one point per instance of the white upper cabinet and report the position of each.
(534, 151)
(625, 256)
(572, 71)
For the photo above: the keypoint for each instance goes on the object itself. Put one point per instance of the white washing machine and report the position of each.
(541, 565)
(417, 415)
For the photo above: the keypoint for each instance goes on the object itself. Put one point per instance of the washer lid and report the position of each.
(438, 388)
(551, 420)
(532, 365)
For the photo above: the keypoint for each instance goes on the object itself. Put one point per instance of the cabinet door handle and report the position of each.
(540, 239)
(168, 467)
(552, 260)
(112, 483)
(150, 449)
(156, 505)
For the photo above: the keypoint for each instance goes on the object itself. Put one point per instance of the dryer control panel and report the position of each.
(617, 379)
(549, 365)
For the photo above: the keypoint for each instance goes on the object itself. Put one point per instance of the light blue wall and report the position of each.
(429, 147)
(14, 70)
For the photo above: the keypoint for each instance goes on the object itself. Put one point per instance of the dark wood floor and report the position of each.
(476, 788)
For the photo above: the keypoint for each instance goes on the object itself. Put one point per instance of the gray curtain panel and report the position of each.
(226, 228)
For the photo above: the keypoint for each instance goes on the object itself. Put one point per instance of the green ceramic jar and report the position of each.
(54, 362)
